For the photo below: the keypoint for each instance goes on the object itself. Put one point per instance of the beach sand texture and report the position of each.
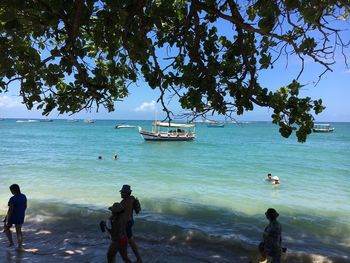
(66, 239)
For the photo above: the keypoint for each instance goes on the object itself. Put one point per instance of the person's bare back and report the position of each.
(128, 204)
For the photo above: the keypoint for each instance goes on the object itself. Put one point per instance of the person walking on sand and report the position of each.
(15, 215)
(130, 204)
(118, 234)
(272, 238)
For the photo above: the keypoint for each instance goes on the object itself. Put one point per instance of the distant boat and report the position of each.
(215, 124)
(72, 120)
(122, 126)
(164, 131)
(46, 120)
(322, 128)
(27, 121)
(89, 121)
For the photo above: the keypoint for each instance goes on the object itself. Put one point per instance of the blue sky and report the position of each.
(333, 89)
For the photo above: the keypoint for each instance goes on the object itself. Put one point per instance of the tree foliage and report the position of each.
(72, 54)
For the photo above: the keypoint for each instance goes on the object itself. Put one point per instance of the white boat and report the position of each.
(215, 124)
(27, 121)
(89, 121)
(123, 126)
(165, 131)
(46, 120)
(318, 127)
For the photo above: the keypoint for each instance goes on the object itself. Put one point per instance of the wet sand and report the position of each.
(52, 244)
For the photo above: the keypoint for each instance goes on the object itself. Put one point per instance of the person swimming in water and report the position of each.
(275, 180)
(268, 177)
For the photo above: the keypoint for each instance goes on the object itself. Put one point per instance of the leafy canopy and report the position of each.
(72, 54)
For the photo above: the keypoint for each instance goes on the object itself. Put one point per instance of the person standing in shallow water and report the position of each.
(15, 215)
(272, 238)
(130, 204)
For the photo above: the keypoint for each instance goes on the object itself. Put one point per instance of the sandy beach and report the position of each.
(56, 241)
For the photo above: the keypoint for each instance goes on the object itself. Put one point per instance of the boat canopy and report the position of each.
(173, 125)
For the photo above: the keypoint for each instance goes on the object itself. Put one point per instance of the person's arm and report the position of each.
(9, 213)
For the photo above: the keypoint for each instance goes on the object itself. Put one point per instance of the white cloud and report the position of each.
(7, 102)
(147, 106)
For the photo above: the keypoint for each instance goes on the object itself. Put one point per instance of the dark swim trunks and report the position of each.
(121, 241)
(129, 225)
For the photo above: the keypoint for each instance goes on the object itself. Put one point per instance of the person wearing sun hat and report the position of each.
(272, 238)
(130, 204)
(275, 180)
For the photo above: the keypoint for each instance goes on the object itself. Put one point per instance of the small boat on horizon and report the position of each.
(89, 121)
(46, 120)
(26, 121)
(318, 127)
(123, 126)
(72, 120)
(165, 131)
(215, 124)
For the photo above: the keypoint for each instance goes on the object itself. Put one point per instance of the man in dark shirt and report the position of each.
(15, 215)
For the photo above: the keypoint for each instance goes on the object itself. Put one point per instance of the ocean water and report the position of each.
(210, 191)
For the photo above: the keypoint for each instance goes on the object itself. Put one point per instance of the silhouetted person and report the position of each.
(118, 234)
(15, 215)
(100, 157)
(115, 157)
(130, 204)
(272, 238)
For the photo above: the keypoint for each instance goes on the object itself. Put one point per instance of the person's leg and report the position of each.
(276, 259)
(131, 240)
(112, 251)
(19, 235)
(8, 233)
(262, 252)
(123, 250)
(135, 249)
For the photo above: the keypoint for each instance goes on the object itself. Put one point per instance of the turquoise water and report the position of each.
(213, 187)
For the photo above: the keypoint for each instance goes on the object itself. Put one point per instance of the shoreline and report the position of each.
(152, 252)
(57, 241)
